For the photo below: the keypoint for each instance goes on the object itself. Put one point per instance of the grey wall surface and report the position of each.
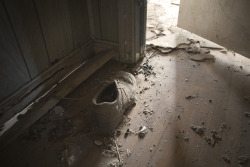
(105, 15)
(35, 34)
(226, 22)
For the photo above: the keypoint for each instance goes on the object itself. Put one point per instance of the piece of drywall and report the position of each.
(225, 22)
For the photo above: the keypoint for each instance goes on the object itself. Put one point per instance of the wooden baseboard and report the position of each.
(42, 83)
(55, 95)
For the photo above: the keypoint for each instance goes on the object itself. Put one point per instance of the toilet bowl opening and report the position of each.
(108, 94)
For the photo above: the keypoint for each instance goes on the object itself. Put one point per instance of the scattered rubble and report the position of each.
(98, 142)
(70, 154)
(186, 138)
(198, 129)
(247, 99)
(115, 163)
(214, 139)
(146, 69)
(247, 114)
(118, 132)
(128, 153)
(108, 153)
(126, 133)
(209, 140)
(223, 126)
(58, 110)
(223, 51)
(226, 159)
(243, 159)
(194, 48)
(202, 57)
(190, 97)
(142, 132)
(61, 129)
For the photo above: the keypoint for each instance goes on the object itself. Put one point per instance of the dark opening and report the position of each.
(109, 94)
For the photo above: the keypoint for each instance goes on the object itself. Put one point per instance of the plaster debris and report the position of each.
(190, 97)
(223, 126)
(226, 159)
(186, 138)
(115, 163)
(98, 142)
(209, 140)
(247, 99)
(58, 110)
(128, 153)
(202, 57)
(214, 139)
(70, 154)
(142, 132)
(194, 48)
(223, 51)
(247, 114)
(198, 129)
(243, 159)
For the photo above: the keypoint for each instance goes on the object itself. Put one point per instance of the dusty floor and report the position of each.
(63, 137)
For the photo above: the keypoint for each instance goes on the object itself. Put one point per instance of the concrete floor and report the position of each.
(52, 140)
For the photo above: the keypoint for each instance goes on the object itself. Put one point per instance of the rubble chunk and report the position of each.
(198, 129)
(202, 57)
(243, 159)
(226, 159)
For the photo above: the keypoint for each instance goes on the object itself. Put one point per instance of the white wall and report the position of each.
(226, 22)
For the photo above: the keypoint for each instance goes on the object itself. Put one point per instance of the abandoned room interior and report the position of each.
(134, 83)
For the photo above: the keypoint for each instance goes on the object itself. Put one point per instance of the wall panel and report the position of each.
(55, 21)
(13, 70)
(80, 22)
(26, 26)
(109, 20)
(225, 22)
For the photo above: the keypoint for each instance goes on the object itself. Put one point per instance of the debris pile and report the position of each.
(243, 159)
(247, 99)
(247, 114)
(70, 154)
(215, 138)
(198, 129)
(190, 97)
(202, 57)
(142, 132)
(226, 159)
